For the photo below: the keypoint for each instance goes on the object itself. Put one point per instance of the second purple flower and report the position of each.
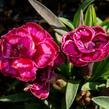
(86, 44)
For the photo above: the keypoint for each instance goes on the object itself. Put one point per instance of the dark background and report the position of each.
(17, 12)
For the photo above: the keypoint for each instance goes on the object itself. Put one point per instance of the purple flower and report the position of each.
(42, 85)
(25, 49)
(86, 44)
(39, 91)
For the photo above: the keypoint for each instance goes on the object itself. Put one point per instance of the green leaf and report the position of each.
(50, 17)
(21, 97)
(92, 86)
(94, 17)
(101, 69)
(106, 22)
(66, 22)
(105, 25)
(70, 68)
(81, 19)
(58, 38)
(66, 69)
(98, 21)
(83, 6)
(71, 91)
(88, 17)
(104, 73)
(102, 101)
(107, 83)
(63, 106)
(101, 107)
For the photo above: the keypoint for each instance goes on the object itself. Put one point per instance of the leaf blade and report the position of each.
(71, 91)
(101, 69)
(67, 22)
(92, 86)
(50, 17)
(88, 17)
(102, 101)
(83, 6)
(94, 17)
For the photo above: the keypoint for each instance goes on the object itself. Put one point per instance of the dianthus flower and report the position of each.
(26, 49)
(42, 85)
(86, 44)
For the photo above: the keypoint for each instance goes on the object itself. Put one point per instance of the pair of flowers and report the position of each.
(28, 53)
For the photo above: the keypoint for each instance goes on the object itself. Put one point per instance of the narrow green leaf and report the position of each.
(81, 19)
(67, 22)
(58, 38)
(63, 106)
(101, 69)
(107, 29)
(102, 101)
(83, 6)
(71, 91)
(105, 71)
(107, 83)
(88, 17)
(92, 86)
(98, 21)
(94, 17)
(105, 25)
(16, 98)
(101, 107)
(66, 69)
(50, 17)
(106, 22)
(70, 68)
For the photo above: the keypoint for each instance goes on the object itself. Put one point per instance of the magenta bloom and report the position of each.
(85, 44)
(39, 91)
(42, 85)
(25, 49)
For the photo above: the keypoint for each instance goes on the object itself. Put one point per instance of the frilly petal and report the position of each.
(44, 55)
(77, 62)
(39, 91)
(70, 49)
(98, 29)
